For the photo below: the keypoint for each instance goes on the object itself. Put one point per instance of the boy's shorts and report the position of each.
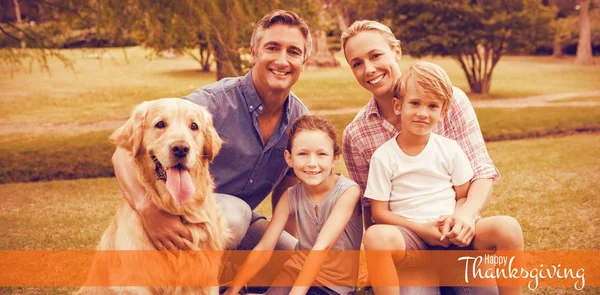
(414, 242)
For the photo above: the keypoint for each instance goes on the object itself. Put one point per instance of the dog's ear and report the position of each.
(130, 135)
(212, 141)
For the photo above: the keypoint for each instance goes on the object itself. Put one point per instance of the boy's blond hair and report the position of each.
(430, 79)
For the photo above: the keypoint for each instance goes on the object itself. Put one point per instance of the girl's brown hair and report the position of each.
(314, 123)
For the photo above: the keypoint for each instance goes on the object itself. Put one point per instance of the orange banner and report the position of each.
(571, 268)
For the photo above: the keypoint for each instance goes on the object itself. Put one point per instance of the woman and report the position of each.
(373, 54)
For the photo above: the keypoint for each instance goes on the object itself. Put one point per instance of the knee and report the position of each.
(238, 215)
(383, 237)
(510, 233)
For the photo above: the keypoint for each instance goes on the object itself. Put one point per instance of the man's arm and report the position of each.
(166, 231)
(288, 181)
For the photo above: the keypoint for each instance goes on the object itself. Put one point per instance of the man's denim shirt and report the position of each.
(244, 167)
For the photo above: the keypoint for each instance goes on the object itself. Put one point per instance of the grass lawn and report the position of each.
(108, 88)
(550, 185)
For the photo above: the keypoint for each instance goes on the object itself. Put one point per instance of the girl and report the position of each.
(325, 207)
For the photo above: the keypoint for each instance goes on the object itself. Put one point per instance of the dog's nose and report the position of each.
(180, 149)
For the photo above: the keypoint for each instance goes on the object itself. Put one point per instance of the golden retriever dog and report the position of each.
(172, 142)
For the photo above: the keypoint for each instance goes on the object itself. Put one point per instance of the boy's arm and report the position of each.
(263, 251)
(333, 228)
(166, 231)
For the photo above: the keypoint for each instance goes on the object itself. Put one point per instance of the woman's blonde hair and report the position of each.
(370, 25)
(430, 79)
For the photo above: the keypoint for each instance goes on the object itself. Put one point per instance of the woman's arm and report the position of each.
(263, 251)
(358, 170)
(337, 221)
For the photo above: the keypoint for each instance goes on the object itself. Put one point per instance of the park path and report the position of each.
(553, 100)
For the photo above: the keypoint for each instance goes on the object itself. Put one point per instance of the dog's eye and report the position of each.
(194, 126)
(160, 125)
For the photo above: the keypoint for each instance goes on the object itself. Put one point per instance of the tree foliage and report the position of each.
(196, 28)
(475, 33)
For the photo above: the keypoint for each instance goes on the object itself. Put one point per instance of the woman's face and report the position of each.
(373, 62)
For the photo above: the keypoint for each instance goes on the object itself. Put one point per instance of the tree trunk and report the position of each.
(204, 57)
(321, 56)
(229, 63)
(557, 46)
(584, 46)
(20, 25)
(342, 19)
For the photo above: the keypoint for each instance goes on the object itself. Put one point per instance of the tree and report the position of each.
(220, 27)
(584, 46)
(37, 26)
(475, 33)
(321, 56)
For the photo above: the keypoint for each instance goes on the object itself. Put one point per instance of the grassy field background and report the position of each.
(108, 88)
(550, 184)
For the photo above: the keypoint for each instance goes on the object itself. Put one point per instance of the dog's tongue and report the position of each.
(179, 184)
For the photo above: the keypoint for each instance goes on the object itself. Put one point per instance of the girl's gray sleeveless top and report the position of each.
(311, 218)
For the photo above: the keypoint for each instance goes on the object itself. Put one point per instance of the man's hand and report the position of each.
(430, 233)
(459, 228)
(166, 231)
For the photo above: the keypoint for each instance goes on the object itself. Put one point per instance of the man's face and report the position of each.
(279, 58)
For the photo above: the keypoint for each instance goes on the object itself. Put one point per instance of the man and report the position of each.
(251, 114)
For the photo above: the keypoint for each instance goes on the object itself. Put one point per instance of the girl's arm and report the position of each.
(429, 232)
(261, 254)
(342, 211)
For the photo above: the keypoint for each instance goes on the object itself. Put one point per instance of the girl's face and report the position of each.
(373, 62)
(311, 157)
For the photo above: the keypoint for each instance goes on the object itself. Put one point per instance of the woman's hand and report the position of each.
(458, 228)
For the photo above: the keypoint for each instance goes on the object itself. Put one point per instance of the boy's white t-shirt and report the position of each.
(418, 188)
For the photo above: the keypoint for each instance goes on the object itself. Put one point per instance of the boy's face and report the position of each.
(279, 58)
(418, 113)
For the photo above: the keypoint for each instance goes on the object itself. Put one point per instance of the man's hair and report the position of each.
(314, 123)
(285, 17)
(370, 25)
(430, 79)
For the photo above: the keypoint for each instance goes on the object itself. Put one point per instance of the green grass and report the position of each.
(552, 192)
(81, 155)
(55, 156)
(108, 88)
